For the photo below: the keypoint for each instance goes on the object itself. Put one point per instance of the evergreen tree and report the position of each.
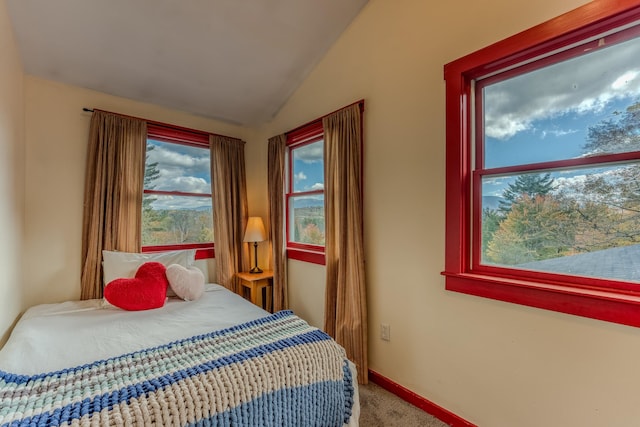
(530, 185)
(151, 173)
(599, 211)
(149, 215)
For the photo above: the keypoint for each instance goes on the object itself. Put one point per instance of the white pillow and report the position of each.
(187, 283)
(116, 264)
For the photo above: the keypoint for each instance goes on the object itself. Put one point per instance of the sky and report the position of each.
(182, 168)
(545, 115)
(185, 168)
(308, 173)
(539, 116)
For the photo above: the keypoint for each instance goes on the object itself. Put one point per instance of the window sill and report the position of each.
(601, 304)
(306, 256)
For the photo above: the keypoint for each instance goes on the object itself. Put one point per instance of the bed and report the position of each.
(218, 360)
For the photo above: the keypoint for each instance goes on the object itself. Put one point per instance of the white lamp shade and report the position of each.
(255, 230)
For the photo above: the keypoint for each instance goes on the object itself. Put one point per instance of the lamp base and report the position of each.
(255, 268)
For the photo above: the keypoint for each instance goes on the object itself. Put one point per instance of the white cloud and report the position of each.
(563, 183)
(557, 133)
(187, 184)
(317, 186)
(181, 168)
(311, 153)
(300, 176)
(192, 160)
(494, 186)
(570, 183)
(583, 84)
(624, 80)
(506, 125)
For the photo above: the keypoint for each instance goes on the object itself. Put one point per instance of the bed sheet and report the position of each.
(92, 332)
(51, 337)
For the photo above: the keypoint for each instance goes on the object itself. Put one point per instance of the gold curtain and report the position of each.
(345, 295)
(230, 213)
(114, 178)
(275, 181)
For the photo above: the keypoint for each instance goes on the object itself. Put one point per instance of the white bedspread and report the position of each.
(89, 332)
(50, 337)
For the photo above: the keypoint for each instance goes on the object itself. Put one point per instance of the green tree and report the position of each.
(608, 203)
(507, 248)
(597, 212)
(536, 228)
(151, 171)
(530, 184)
(312, 234)
(491, 220)
(205, 225)
(150, 217)
(608, 209)
(181, 224)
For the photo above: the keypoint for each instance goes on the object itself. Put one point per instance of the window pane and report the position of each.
(306, 219)
(308, 167)
(177, 167)
(565, 110)
(172, 220)
(582, 222)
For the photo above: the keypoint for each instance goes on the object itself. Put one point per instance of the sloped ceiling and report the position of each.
(233, 60)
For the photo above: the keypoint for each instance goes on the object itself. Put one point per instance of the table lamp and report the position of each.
(255, 233)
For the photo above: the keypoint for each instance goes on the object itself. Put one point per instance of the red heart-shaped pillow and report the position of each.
(147, 290)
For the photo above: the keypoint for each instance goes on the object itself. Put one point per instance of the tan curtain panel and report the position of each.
(345, 295)
(275, 181)
(230, 213)
(114, 178)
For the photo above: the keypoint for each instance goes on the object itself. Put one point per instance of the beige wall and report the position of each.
(11, 177)
(494, 364)
(56, 138)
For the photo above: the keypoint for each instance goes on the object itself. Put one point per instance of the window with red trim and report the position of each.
(305, 194)
(543, 166)
(176, 207)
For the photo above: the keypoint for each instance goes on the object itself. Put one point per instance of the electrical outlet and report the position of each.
(385, 331)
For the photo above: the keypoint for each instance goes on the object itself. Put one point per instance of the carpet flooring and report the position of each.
(380, 408)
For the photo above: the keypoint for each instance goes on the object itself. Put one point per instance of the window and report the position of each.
(305, 194)
(543, 166)
(176, 206)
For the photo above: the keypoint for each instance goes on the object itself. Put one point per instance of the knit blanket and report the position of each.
(273, 371)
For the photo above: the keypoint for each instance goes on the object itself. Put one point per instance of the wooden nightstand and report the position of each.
(254, 285)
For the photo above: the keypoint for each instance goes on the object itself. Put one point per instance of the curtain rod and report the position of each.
(153, 122)
(361, 102)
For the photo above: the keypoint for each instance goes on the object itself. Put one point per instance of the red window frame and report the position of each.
(183, 136)
(305, 135)
(607, 300)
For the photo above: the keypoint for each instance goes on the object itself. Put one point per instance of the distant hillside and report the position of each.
(308, 203)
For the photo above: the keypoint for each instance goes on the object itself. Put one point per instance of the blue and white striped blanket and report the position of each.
(274, 371)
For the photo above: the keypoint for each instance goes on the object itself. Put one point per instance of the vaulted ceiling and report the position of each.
(233, 60)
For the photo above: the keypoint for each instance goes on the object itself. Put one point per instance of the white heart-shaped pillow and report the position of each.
(187, 283)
